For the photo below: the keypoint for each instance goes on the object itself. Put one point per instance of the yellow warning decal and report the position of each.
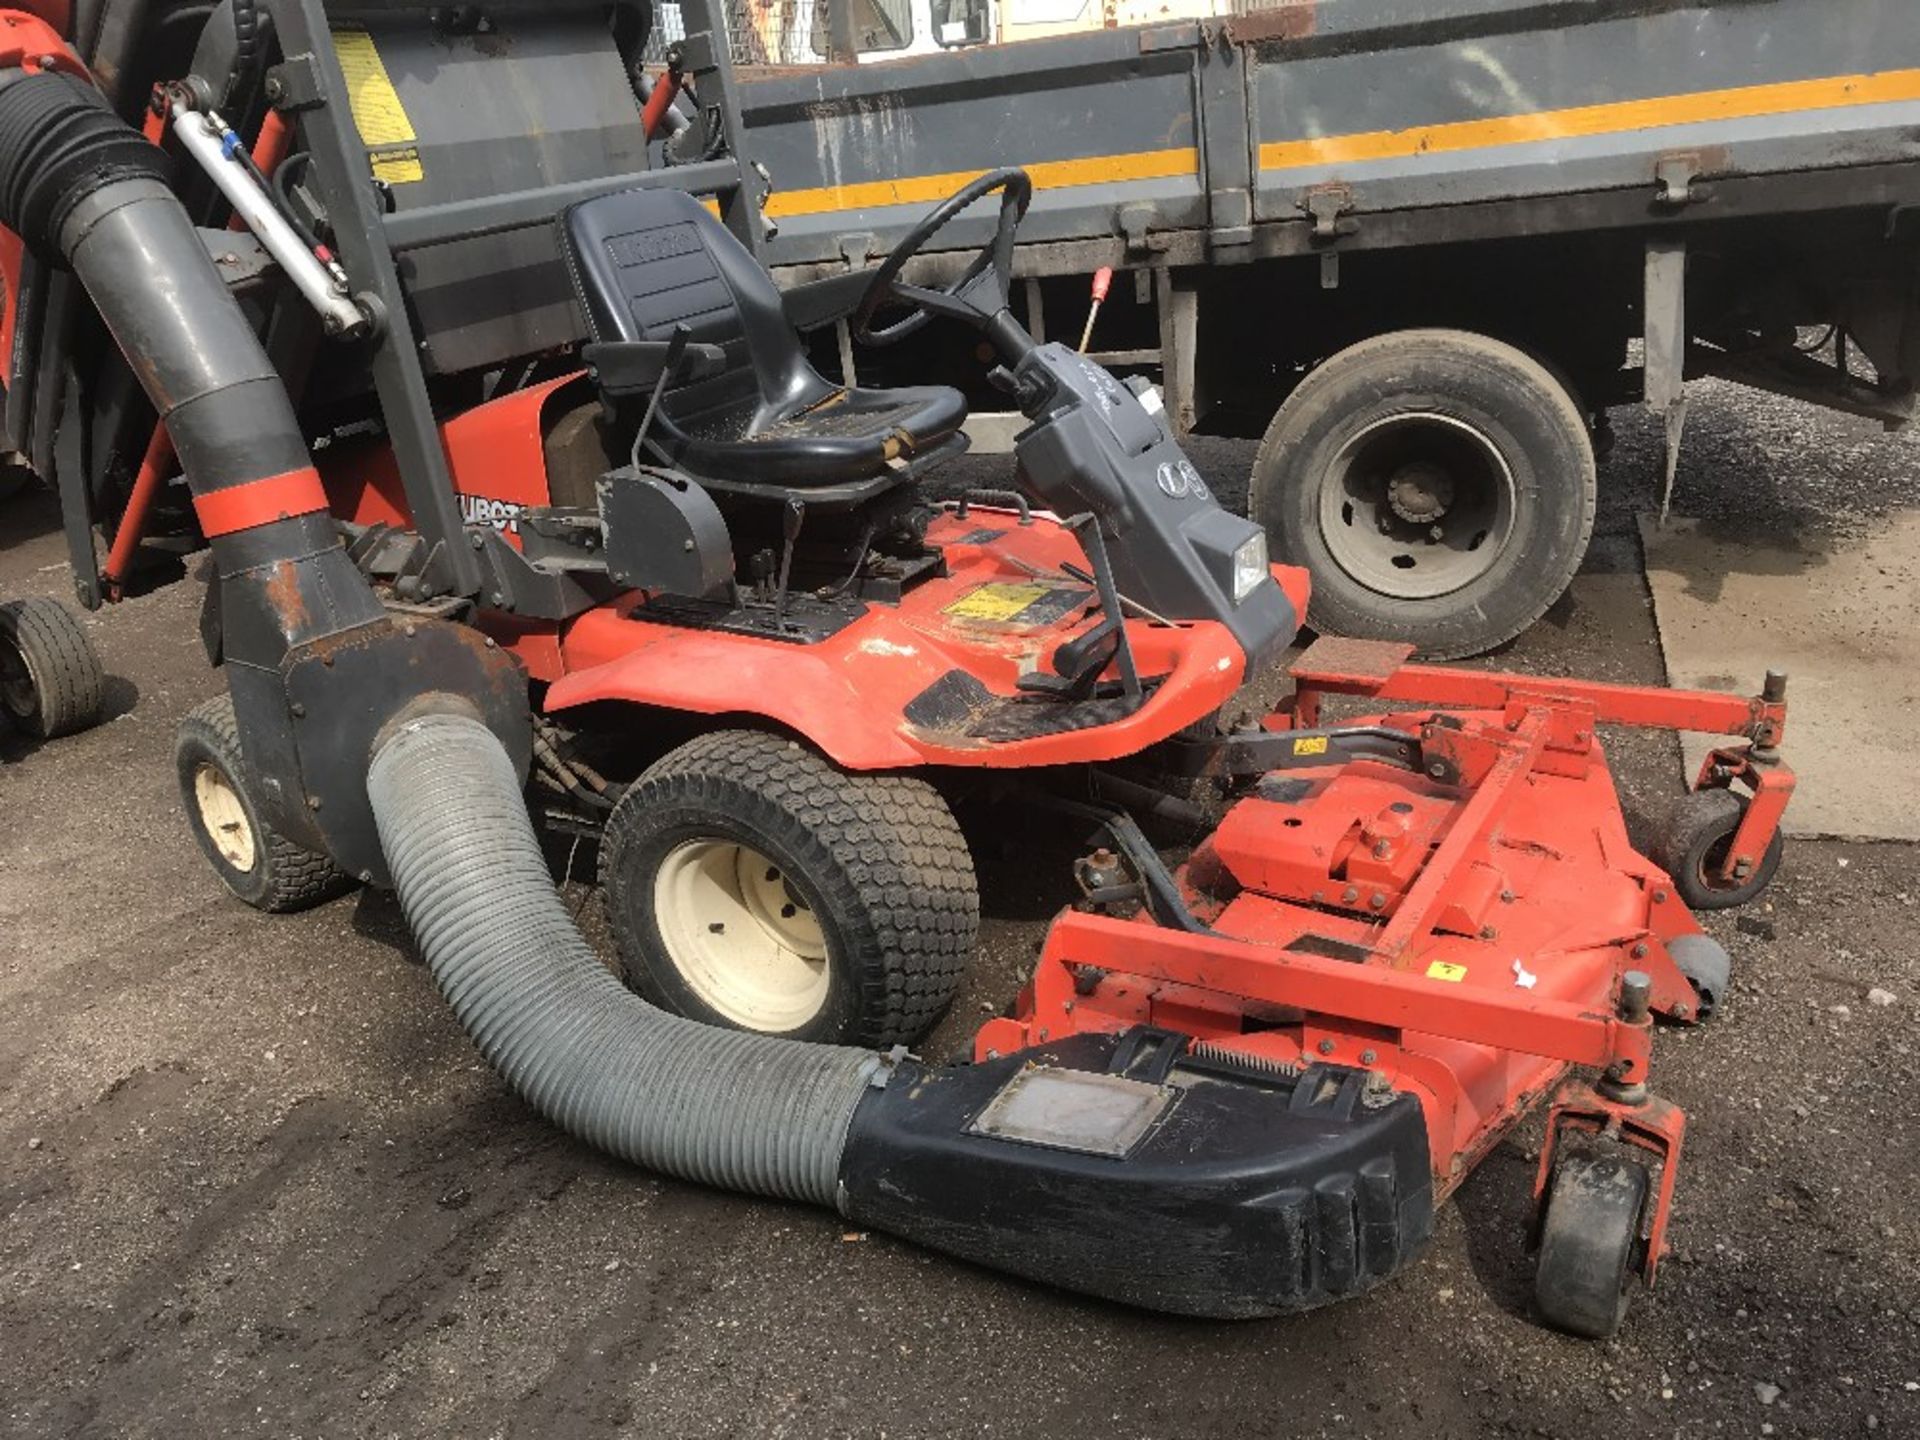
(996, 601)
(384, 125)
(1313, 745)
(397, 167)
(1441, 970)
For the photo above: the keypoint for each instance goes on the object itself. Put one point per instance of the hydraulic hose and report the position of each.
(741, 1111)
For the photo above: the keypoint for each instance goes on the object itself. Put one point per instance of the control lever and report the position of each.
(669, 367)
(1102, 283)
(792, 517)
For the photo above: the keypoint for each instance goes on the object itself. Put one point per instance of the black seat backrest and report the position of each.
(644, 261)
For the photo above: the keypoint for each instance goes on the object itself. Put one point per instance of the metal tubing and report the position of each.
(207, 138)
(133, 521)
(270, 147)
(453, 220)
(1569, 1030)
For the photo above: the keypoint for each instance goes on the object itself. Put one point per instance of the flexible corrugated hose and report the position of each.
(745, 1112)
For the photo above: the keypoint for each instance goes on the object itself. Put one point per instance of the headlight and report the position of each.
(1250, 567)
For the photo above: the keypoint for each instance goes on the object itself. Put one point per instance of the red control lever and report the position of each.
(1102, 282)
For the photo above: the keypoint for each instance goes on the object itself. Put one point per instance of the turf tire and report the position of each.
(51, 680)
(281, 876)
(879, 860)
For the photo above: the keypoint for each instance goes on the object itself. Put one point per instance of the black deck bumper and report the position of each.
(1124, 1168)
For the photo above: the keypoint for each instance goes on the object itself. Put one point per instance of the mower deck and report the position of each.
(1445, 901)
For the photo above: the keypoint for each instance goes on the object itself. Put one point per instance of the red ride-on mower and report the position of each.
(757, 656)
(765, 575)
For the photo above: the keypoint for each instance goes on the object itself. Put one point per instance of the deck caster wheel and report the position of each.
(1708, 968)
(751, 884)
(1693, 845)
(218, 791)
(1590, 1244)
(50, 676)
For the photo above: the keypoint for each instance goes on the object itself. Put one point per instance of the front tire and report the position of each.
(1440, 486)
(50, 676)
(751, 884)
(217, 789)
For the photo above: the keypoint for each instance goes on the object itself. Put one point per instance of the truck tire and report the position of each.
(1439, 485)
(258, 864)
(50, 676)
(751, 884)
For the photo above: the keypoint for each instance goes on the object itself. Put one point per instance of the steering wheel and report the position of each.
(983, 288)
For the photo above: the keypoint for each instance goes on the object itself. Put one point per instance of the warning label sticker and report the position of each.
(383, 122)
(1442, 970)
(997, 601)
(1310, 745)
(397, 167)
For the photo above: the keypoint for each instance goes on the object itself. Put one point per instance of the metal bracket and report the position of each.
(856, 248)
(1327, 204)
(294, 84)
(1133, 221)
(697, 53)
(1674, 174)
(1665, 334)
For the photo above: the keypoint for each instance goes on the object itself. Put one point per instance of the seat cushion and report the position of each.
(849, 435)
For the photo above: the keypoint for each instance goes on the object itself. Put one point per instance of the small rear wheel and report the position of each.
(220, 795)
(50, 677)
(753, 885)
(1693, 845)
(1590, 1246)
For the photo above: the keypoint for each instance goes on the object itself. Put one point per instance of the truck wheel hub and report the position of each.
(1420, 492)
(1417, 505)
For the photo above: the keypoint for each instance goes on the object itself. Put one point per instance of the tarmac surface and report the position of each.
(254, 1180)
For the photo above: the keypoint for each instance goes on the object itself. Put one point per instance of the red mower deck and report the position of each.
(1458, 913)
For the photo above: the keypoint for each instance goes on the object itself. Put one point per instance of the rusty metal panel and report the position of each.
(1422, 103)
(1105, 124)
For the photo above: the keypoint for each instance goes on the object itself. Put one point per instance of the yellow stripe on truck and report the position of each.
(1745, 103)
(927, 189)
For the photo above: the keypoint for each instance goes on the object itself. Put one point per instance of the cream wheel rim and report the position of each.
(224, 818)
(741, 935)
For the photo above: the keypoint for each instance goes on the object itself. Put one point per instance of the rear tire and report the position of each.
(50, 676)
(220, 795)
(1590, 1244)
(1439, 485)
(753, 885)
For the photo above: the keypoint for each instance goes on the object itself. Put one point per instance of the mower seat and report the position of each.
(644, 261)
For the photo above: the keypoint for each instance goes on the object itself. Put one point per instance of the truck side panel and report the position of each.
(1100, 123)
(1431, 104)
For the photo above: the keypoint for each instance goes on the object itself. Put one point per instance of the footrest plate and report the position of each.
(1331, 660)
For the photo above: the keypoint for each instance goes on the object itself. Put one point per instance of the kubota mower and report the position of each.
(514, 461)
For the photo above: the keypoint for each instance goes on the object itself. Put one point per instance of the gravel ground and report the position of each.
(255, 1181)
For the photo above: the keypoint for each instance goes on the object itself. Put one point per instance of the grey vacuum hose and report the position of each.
(744, 1112)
